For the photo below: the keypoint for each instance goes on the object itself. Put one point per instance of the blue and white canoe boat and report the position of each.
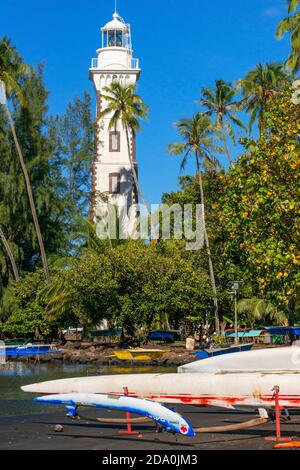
(27, 350)
(207, 353)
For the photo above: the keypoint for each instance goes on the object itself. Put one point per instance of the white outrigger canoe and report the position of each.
(162, 415)
(218, 389)
(242, 381)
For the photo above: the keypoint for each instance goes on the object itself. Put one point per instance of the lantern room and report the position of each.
(116, 34)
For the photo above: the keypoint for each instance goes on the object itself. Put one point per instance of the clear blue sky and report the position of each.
(182, 46)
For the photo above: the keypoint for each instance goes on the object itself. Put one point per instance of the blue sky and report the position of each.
(182, 46)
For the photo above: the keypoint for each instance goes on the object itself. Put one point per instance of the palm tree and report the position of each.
(220, 102)
(10, 255)
(11, 70)
(199, 135)
(258, 86)
(259, 310)
(291, 25)
(125, 106)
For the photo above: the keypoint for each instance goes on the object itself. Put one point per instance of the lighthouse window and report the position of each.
(114, 141)
(111, 39)
(119, 38)
(114, 183)
(115, 38)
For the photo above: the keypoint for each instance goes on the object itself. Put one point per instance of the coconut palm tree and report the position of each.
(258, 86)
(11, 71)
(291, 25)
(199, 141)
(260, 310)
(220, 102)
(125, 107)
(10, 255)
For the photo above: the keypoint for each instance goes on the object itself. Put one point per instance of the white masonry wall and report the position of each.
(114, 64)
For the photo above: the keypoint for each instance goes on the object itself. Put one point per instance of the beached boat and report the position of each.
(219, 389)
(27, 350)
(169, 419)
(206, 353)
(242, 380)
(139, 354)
(273, 359)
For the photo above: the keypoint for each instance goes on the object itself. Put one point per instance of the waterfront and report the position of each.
(25, 424)
(13, 375)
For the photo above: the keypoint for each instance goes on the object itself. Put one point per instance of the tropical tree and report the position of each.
(259, 310)
(12, 70)
(291, 25)
(125, 107)
(72, 136)
(260, 209)
(258, 86)
(220, 102)
(199, 140)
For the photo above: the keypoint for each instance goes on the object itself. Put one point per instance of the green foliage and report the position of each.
(58, 153)
(125, 105)
(261, 209)
(199, 140)
(12, 69)
(132, 285)
(25, 312)
(259, 311)
(221, 103)
(291, 25)
(258, 87)
(72, 137)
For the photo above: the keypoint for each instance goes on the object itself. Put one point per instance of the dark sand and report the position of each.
(36, 432)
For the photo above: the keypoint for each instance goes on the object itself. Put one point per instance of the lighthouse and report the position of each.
(112, 178)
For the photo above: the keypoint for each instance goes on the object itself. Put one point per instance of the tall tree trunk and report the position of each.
(30, 197)
(210, 263)
(10, 255)
(227, 151)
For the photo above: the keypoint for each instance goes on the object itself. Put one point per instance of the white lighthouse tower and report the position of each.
(112, 178)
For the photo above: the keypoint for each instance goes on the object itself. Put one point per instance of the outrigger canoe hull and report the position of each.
(169, 419)
(219, 389)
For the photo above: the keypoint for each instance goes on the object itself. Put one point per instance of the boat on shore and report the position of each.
(140, 355)
(256, 380)
(219, 389)
(207, 353)
(27, 350)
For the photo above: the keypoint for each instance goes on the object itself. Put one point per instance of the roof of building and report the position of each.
(116, 23)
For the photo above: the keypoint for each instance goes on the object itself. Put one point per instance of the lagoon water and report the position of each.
(13, 375)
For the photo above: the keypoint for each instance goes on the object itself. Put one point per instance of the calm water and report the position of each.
(12, 376)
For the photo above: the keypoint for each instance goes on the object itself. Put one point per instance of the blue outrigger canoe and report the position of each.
(27, 350)
(206, 353)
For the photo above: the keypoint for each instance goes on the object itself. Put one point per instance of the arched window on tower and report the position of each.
(114, 141)
(114, 183)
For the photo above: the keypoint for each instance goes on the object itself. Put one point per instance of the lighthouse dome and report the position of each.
(115, 24)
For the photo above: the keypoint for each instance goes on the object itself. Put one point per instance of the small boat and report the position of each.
(169, 419)
(247, 381)
(139, 354)
(206, 353)
(27, 350)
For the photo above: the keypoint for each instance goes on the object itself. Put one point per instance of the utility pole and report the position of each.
(235, 285)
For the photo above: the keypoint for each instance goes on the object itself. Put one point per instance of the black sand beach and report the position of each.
(36, 432)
